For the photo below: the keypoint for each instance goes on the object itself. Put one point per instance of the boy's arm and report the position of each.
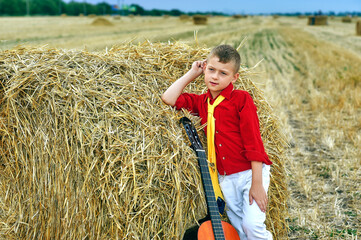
(171, 95)
(257, 191)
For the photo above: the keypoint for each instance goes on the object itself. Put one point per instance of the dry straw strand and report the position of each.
(88, 150)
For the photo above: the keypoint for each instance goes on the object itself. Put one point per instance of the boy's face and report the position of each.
(218, 76)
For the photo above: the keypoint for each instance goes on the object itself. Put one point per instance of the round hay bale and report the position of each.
(100, 21)
(358, 28)
(184, 17)
(92, 15)
(89, 149)
(346, 19)
(200, 19)
(63, 15)
(317, 20)
(239, 16)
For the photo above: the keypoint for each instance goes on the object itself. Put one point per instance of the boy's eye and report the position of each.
(224, 73)
(210, 69)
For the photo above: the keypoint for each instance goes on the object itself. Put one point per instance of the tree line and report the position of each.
(74, 8)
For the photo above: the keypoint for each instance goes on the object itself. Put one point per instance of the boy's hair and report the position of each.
(226, 54)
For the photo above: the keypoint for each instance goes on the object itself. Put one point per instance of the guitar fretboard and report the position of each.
(210, 196)
(206, 179)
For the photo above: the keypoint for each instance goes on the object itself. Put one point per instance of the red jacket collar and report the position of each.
(225, 93)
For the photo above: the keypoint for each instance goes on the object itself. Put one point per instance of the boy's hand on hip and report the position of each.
(258, 194)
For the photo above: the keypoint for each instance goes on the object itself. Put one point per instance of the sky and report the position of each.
(243, 6)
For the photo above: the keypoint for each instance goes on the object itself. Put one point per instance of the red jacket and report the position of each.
(237, 135)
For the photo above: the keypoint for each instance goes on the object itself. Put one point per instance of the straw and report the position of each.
(88, 149)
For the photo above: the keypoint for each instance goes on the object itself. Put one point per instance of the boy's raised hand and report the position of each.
(171, 95)
(197, 67)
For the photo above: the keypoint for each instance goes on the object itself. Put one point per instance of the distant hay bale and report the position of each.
(200, 19)
(275, 16)
(358, 28)
(116, 17)
(346, 19)
(92, 15)
(63, 15)
(81, 15)
(184, 17)
(239, 16)
(100, 21)
(88, 149)
(317, 20)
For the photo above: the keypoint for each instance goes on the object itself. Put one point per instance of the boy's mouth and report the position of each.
(213, 83)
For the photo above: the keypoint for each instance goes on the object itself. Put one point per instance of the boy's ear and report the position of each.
(204, 65)
(235, 77)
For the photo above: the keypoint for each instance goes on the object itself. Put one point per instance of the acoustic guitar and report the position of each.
(215, 228)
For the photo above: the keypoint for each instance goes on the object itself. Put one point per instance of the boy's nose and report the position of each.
(215, 76)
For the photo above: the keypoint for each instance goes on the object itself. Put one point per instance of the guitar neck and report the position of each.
(206, 178)
(210, 196)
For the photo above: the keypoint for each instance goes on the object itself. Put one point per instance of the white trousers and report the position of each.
(247, 219)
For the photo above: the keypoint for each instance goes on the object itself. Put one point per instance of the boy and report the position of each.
(241, 161)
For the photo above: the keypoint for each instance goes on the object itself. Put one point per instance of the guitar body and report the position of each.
(205, 231)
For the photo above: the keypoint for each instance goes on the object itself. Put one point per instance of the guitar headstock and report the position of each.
(192, 133)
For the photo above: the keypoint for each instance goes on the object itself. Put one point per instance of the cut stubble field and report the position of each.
(311, 76)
